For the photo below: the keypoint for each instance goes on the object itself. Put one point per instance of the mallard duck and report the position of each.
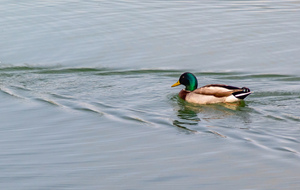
(209, 94)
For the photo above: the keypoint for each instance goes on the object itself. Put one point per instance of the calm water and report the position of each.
(86, 101)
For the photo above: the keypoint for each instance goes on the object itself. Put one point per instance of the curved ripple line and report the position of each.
(48, 101)
(216, 133)
(62, 96)
(287, 149)
(130, 118)
(10, 92)
(292, 117)
(82, 106)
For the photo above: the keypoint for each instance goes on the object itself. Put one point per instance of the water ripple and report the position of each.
(86, 99)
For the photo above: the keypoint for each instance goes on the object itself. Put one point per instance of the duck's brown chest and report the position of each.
(182, 94)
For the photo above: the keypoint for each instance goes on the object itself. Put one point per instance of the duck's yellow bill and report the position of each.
(176, 84)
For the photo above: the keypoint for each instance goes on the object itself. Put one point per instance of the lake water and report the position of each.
(86, 99)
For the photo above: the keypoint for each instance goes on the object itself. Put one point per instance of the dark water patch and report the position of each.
(290, 79)
(18, 68)
(201, 74)
(71, 70)
(96, 70)
(181, 125)
(56, 69)
(257, 76)
(217, 73)
(5, 75)
(137, 72)
(26, 68)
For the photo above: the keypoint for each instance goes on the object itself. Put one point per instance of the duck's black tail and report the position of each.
(243, 93)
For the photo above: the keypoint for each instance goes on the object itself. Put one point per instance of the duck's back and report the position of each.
(216, 93)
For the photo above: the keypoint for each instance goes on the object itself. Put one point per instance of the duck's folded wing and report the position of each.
(219, 90)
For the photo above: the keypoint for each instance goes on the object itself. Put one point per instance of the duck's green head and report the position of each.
(188, 80)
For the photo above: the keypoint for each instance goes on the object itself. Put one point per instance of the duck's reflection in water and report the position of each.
(194, 118)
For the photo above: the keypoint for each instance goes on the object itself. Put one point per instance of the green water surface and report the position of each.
(86, 99)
